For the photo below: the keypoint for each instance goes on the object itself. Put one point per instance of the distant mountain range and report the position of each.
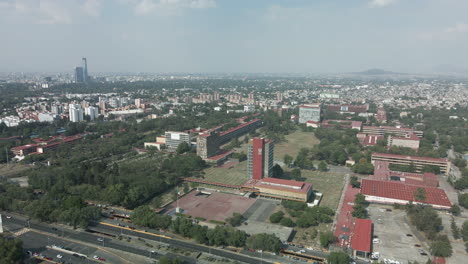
(377, 72)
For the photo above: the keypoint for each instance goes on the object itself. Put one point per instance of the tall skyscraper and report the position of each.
(260, 158)
(79, 77)
(75, 112)
(85, 70)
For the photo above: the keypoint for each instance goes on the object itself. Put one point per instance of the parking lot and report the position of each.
(396, 240)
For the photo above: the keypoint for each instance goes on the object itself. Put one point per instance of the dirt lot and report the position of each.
(398, 238)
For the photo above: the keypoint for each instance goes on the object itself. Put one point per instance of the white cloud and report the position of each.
(92, 7)
(381, 3)
(458, 28)
(168, 7)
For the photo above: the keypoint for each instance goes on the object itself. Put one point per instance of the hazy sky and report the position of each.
(311, 36)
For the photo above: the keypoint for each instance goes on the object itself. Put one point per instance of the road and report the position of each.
(92, 239)
(86, 237)
(180, 244)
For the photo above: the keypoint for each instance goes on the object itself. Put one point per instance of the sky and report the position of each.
(259, 36)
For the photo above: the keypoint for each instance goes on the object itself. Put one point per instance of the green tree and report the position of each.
(276, 217)
(167, 260)
(455, 210)
(441, 247)
(323, 166)
(296, 174)
(235, 220)
(326, 238)
(420, 194)
(338, 258)
(463, 200)
(277, 171)
(183, 147)
(288, 159)
(264, 242)
(354, 182)
(464, 231)
(455, 230)
(11, 250)
(286, 221)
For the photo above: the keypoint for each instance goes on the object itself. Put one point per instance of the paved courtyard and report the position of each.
(215, 206)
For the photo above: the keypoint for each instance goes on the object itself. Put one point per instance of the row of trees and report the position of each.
(426, 220)
(219, 236)
(305, 216)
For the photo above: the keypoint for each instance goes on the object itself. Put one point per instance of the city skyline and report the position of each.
(241, 36)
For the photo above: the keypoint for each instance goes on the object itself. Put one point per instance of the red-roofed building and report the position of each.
(368, 140)
(438, 260)
(279, 189)
(313, 124)
(361, 238)
(382, 172)
(387, 192)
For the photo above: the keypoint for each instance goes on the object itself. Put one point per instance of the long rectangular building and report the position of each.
(387, 192)
(279, 189)
(419, 162)
(397, 131)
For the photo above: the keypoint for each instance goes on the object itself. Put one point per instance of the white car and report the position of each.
(59, 256)
(100, 239)
(8, 217)
(376, 241)
(96, 257)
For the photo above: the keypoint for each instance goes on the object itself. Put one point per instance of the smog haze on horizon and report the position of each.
(299, 36)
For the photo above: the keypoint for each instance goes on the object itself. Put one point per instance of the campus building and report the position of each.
(408, 141)
(210, 141)
(361, 241)
(419, 162)
(346, 108)
(260, 158)
(279, 189)
(389, 192)
(396, 131)
(382, 172)
(309, 112)
(174, 139)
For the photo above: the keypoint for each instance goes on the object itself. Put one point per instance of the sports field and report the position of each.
(293, 143)
(236, 175)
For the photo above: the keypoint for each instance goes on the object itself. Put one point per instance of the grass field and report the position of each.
(236, 175)
(328, 183)
(13, 170)
(293, 143)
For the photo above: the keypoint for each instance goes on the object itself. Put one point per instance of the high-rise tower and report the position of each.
(85, 70)
(260, 158)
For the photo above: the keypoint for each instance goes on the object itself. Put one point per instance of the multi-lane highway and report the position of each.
(116, 230)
